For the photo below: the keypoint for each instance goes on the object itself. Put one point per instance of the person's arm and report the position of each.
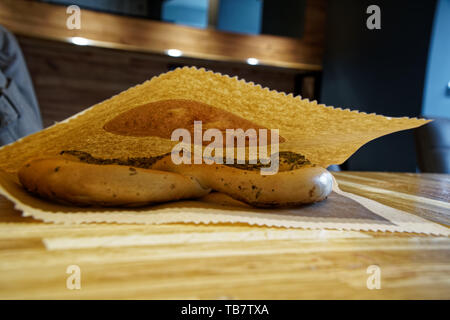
(19, 110)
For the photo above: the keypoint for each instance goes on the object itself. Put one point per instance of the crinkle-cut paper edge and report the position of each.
(186, 217)
(413, 224)
(236, 78)
(282, 93)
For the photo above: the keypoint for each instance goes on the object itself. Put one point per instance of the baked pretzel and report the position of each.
(78, 178)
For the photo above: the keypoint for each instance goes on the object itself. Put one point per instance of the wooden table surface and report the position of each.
(312, 264)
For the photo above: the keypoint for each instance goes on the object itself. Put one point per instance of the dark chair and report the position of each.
(433, 146)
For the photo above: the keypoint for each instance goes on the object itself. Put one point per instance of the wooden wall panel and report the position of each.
(48, 21)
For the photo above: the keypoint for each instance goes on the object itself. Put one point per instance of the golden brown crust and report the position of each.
(83, 180)
(161, 118)
(305, 184)
(105, 185)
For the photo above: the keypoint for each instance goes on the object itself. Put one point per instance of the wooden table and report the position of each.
(310, 265)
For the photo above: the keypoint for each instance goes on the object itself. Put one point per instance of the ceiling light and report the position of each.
(174, 52)
(80, 41)
(252, 61)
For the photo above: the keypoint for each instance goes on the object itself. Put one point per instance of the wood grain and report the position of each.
(48, 21)
(310, 265)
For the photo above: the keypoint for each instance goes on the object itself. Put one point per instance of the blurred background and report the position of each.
(319, 49)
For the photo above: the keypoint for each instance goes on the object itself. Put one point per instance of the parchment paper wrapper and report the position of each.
(325, 135)
(342, 211)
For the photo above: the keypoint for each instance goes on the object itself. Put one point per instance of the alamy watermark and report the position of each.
(374, 20)
(214, 151)
(374, 280)
(74, 20)
(73, 281)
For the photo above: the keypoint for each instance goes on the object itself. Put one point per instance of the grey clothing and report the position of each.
(19, 110)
